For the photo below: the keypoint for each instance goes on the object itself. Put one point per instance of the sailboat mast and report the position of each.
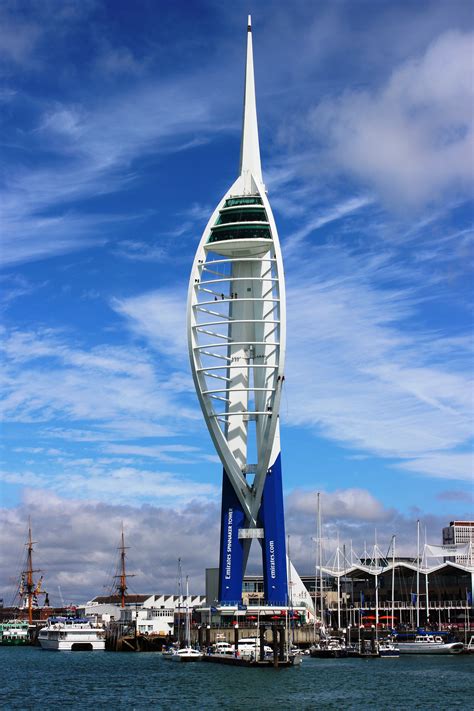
(393, 580)
(123, 574)
(320, 556)
(187, 623)
(29, 576)
(315, 579)
(418, 573)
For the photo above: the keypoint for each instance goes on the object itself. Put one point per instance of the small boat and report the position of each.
(470, 647)
(186, 653)
(430, 644)
(388, 649)
(330, 648)
(13, 633)
(72, 634)
(249, 647)
(223, 648)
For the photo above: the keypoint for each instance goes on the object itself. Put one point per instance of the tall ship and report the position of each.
(17, 631)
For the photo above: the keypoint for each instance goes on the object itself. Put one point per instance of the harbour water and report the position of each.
(35, 679)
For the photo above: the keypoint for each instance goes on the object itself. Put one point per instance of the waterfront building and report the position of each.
(364, 593)
(236, 334)
(152, 614)
(461, 534)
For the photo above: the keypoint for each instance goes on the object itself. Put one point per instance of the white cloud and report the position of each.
(77, 544)
(93, 156)
(358, 375)
(101, 481)
(343, 504)
(47, 378)
(411, 139)
(77, 540)
(442, 465)
(160, 317)
(334, 213)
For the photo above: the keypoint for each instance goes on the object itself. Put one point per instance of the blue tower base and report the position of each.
(231, 550)
(272, 519)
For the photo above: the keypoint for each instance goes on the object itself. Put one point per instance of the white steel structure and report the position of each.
(236, 335)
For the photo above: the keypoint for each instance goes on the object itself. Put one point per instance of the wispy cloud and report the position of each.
(442, 465)
(160, 317)
(412, 138)
(85, 153)
(358, 375)
(98, 481)
(325, 217)
(47, 377)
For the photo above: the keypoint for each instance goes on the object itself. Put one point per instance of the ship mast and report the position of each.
(122, 577)
(31, 590)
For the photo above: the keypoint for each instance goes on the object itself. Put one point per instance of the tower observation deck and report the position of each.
(236, 323)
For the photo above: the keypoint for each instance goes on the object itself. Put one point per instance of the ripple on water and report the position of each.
(43, 681)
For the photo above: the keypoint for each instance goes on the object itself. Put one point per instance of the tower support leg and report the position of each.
(271, 516)
(231, 547)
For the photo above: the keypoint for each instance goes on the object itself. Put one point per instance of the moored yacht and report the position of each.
(330, 648)
(186, 653)
(430, 644)
(70, 634)
(388, 649)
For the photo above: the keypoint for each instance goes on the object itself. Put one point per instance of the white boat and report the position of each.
(223, 648)
(72, 634)
(249, 647)
(388, 649)
(187, 653)
(329, 648)
(430, 644)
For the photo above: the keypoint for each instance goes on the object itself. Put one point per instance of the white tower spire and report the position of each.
(236, 337)
(250, 149)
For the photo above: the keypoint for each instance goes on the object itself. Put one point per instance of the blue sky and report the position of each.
(120, 133)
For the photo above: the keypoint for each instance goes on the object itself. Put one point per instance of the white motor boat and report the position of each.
(70, 634)
(249, 647)
(186, 654)
(430, 644)
(388, 649)
(223, 648)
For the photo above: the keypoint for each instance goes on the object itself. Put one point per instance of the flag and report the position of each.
(448, 549)
(413, 598)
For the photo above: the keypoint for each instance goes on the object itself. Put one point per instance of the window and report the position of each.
(243, 200)
(220, 234)
(239, 215)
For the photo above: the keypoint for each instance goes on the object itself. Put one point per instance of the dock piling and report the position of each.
(262, 642)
